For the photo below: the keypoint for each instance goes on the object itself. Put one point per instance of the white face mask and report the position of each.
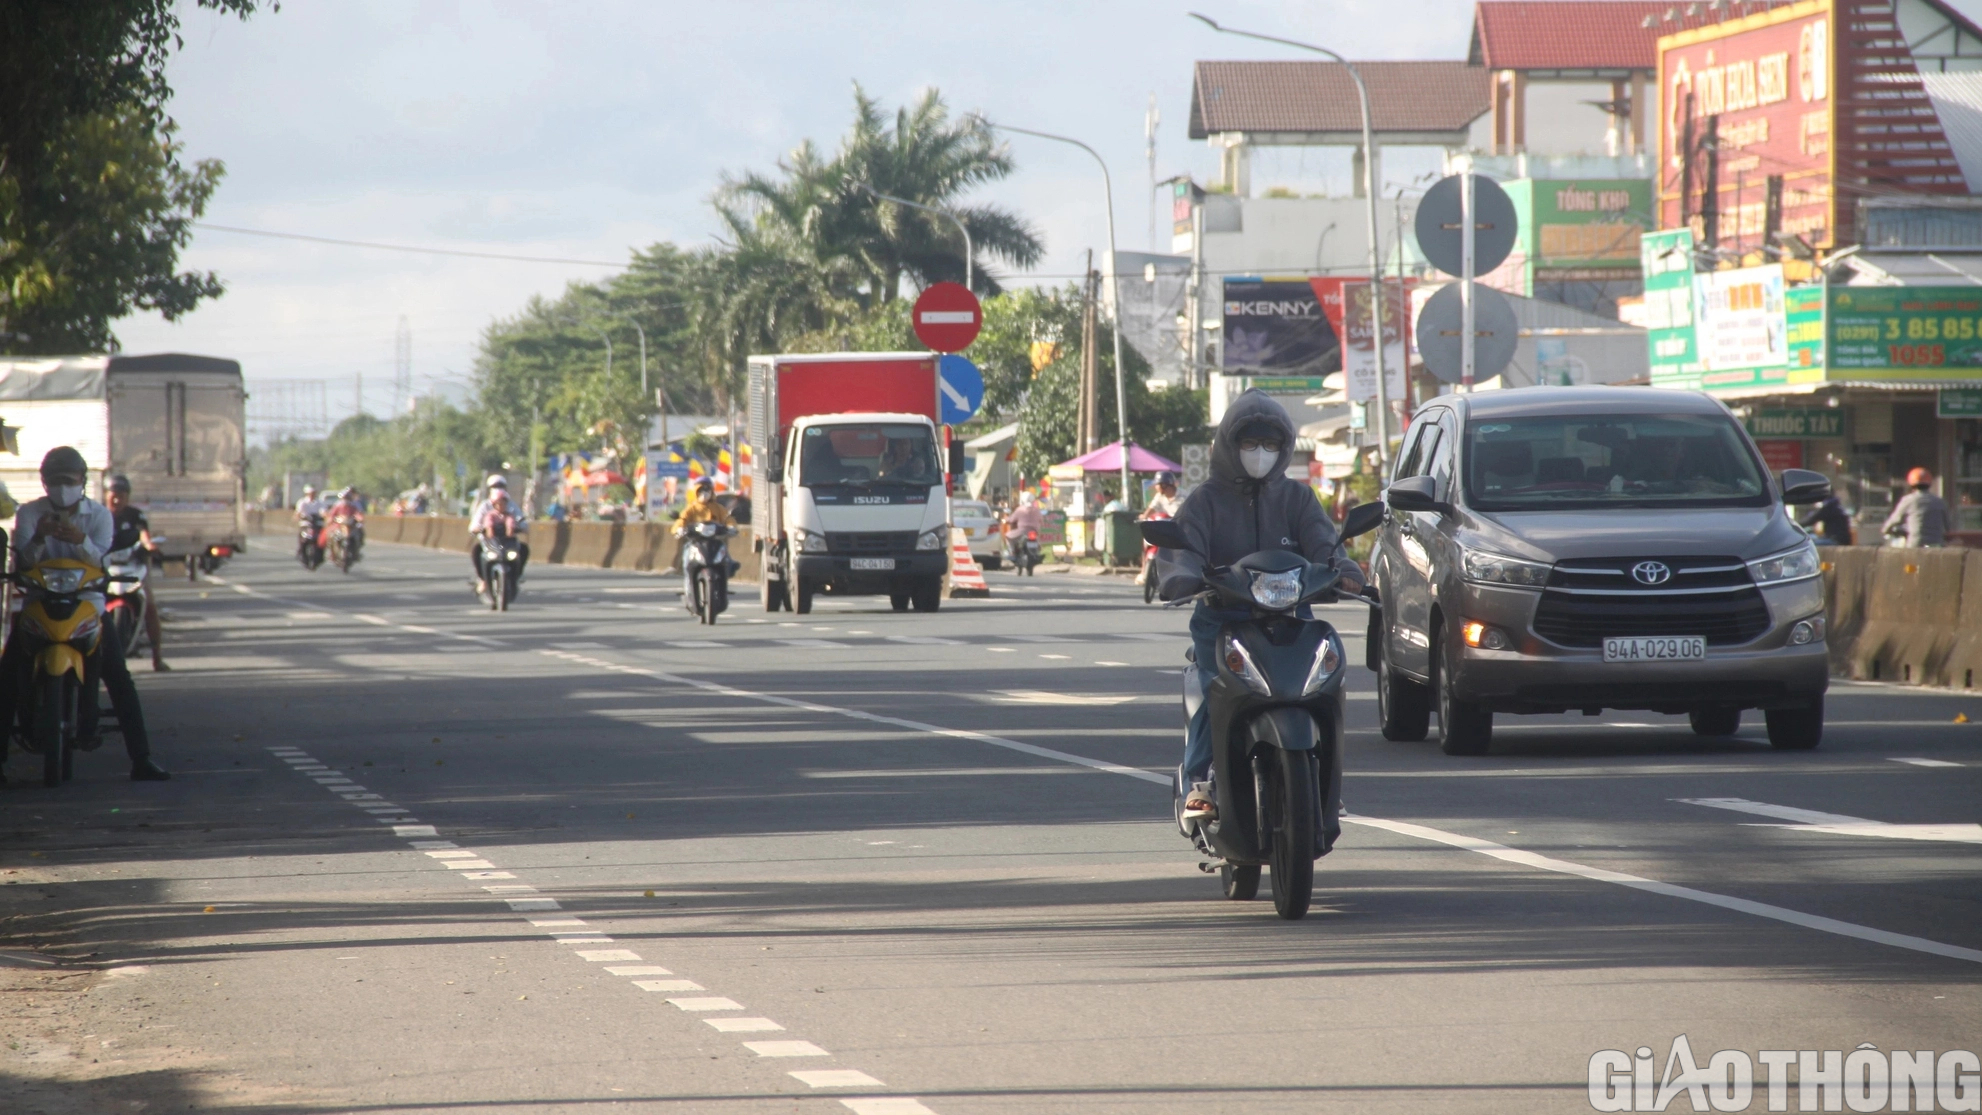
(1258, 462)
(66, 495)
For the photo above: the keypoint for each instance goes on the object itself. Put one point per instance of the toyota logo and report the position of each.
(1651, 572)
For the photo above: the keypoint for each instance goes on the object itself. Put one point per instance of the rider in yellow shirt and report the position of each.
(702, 509)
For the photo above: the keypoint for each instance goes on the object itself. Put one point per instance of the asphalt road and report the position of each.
(589, 855)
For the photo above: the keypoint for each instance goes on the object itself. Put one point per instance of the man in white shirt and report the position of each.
(67, 524)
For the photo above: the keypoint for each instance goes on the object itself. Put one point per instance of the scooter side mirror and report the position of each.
(1361, 519)
(1165, 533)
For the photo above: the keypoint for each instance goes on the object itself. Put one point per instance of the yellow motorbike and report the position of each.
(60, 630)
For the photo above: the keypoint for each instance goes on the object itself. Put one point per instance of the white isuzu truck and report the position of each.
(850, 476)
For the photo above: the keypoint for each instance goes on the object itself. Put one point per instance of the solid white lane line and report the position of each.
(711, 1003)
(1497, 851)
(1922, 762)
(785, 1049)
(743, 1025)
(836, 1078)
(1779, 812)
(1740, 905)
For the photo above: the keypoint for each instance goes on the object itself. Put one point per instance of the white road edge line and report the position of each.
(1403, 828)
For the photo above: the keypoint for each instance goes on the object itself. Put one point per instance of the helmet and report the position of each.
(309, 489)
(1918, 478)
(63, 460)
(704, 484)
(496, 480)
(348, 493)
(1166, 478)
(120, 483)
(1027, 499)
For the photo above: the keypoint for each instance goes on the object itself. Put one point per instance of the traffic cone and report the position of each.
(966, 577)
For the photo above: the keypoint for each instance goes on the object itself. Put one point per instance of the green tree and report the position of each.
(94, 205)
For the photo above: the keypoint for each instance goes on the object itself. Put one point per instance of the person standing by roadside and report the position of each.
(132, 529)
(1920, 519)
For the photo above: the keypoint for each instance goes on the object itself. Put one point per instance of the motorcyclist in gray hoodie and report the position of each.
(1248, 505)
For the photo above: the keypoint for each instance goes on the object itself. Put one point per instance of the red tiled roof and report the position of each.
(1321, 97)
(1582, 34)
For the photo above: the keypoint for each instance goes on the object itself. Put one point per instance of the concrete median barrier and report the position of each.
(1907, 616)
(646, 547)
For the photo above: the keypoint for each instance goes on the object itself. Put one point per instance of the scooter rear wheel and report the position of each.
(1240, 882)
(1291, 797)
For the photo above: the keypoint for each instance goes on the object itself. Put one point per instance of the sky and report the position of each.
(586, 130)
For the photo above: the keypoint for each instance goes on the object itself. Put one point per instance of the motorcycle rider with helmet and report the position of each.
(703, 508)
(309, 513)
(1026, 517)
(133, 529)
(1249, 504)
(498, 511)
(65, 523)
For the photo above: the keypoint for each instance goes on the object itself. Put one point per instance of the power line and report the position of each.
(400, 247)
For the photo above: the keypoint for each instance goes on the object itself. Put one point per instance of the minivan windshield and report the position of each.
(1623, 460)
(868, 454)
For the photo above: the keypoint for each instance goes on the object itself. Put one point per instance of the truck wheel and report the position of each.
(898, 601)
(774, 595)
(1796, 729)
(803, 591)
(927, 595)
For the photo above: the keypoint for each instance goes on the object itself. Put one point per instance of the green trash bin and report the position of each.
(1122, 542)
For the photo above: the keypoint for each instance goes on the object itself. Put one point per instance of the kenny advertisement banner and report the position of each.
(1276, 327)
(1764, 81)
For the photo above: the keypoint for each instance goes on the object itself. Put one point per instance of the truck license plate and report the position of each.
(1661, 648)
(859, 564)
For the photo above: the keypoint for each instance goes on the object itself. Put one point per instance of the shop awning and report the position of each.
(1108, 458)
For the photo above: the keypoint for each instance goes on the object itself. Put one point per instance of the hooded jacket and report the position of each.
(1232, 515)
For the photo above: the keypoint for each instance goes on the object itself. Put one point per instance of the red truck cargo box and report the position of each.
(845, 384)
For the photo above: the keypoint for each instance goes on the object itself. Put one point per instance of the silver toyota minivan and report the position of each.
(1583, 548)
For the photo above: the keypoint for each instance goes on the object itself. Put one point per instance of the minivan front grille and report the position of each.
(869, 542)
(1589, 599)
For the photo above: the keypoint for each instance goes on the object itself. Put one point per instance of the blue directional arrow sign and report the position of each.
(959, 388)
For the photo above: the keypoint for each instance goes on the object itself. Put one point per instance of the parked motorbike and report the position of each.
(126, 590)
(1275, 699)
(500, 559)
(309, 543)
(345, 543)
(705, 570)
(1025, 554)
(60, 631)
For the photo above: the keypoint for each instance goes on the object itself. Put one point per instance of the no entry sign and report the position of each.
(947, 317)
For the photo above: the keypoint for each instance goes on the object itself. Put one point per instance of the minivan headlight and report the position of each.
(1499, 569)
(1791, 565)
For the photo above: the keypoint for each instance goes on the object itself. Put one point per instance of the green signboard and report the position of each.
(1803, 306)
(1594, 223)
(1796, 422)
(1667, 259)
(1959, 402)
(1906, 332)
(1286, 385)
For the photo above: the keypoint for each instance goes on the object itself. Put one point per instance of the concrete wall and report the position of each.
(647, 547)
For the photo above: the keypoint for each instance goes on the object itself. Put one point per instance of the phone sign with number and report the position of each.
(1655, 648)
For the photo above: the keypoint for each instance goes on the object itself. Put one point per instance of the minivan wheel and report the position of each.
(1796, 729)
(1403, 706)
(1464, 727)
(1715, 721)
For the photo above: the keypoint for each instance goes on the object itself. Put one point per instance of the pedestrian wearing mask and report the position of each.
(1920, 519)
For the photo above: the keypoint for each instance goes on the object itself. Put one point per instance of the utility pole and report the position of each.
(1150, 119)
(1088, 439)
(358, 396)
(1200, 371)
(402, 365)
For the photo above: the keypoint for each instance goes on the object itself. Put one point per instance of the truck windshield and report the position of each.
(1625, 460)
(868, 454)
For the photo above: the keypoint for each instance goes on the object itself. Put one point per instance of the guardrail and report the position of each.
(647, 547)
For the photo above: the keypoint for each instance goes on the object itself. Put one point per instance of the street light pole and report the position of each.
(969, 253)
(1369, 194)
(1114, 286)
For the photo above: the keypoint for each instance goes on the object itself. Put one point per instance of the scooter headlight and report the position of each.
(62, 580)
(1277, 591)
(808, 541)
(1327, 660)
(1240, 662)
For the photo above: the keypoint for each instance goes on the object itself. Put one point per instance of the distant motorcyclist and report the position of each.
(1164, 502)
(702, 508)
(67, 524)
(309, 514)
(1920, 518)
(1249, 504)
(497, 515)
(133, 529)
(1832, 521)
(1026, 517)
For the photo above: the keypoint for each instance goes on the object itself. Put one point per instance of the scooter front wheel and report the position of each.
(1291, 801)
(48, 731)
(1240, 882)
(708, 582)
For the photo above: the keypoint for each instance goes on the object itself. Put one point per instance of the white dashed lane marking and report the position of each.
(1923, 762)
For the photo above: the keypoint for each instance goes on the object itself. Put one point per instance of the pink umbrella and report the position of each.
(1108, 458)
